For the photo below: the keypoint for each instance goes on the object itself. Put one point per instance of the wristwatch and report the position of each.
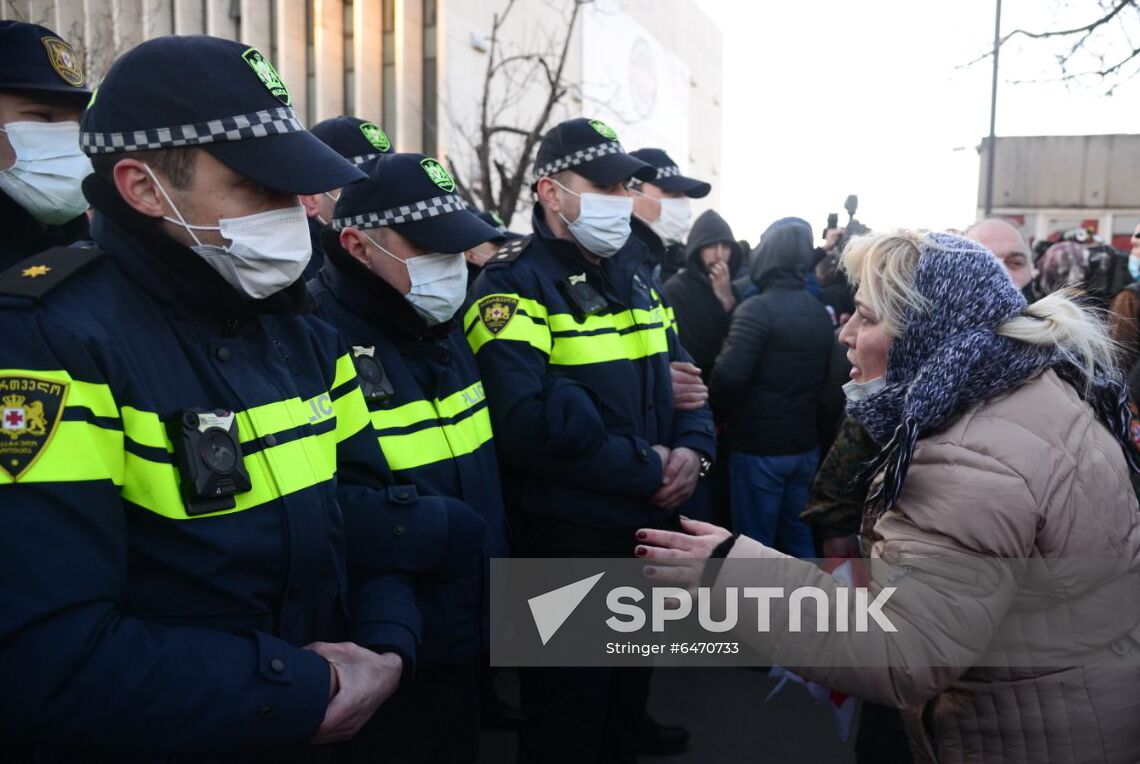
(706, 465)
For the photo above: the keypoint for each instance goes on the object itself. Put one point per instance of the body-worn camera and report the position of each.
(583, 298)
(374, 382)
(207, 449)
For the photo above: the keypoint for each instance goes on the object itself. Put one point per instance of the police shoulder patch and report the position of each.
(30, 410)
(39, 274)
(511, 251)
(496, 311)
(64, 61)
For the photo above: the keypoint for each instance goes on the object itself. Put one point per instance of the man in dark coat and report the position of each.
(701, 295)
(767, 381)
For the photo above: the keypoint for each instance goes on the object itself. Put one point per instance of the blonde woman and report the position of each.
(1003, 438)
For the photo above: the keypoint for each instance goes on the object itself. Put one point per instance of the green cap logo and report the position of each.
(268, 75)
(603, 129)
(374, 135)
(437, 174)
(498, 219)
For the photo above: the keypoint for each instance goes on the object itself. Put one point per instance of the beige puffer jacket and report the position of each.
(1029, 474)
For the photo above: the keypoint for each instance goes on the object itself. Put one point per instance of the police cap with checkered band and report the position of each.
(219, 95)
(669, 177)
(415, 196)
(37, 60)
(590, 148)
(353, 138)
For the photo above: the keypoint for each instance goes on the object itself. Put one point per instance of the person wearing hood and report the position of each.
(701, 294)
(662, 211)
(42, 94)
(393, 282)
(767, 382)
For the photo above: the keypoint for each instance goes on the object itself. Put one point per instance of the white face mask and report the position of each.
(439, 284)
(672, 225)
(48, 173)
(602, 226)
(268, 251)
(858, 391)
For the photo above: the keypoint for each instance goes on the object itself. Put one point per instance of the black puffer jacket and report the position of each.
(702, 321)
(769, 376)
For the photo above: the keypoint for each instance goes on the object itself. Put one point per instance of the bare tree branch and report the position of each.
(1089, 51)
(509, 125)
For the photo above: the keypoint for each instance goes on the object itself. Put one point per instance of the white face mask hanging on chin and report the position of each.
(603, 225)
(858, 391)
(47, 177)
(268, 251)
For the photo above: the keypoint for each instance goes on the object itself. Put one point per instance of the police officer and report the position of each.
(566, 326)
(357, 141)
(393, 281)
(202, 551)
(42, 94)
(662, 212)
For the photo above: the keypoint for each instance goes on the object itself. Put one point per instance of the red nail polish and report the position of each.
(640, 551)
(641, 535)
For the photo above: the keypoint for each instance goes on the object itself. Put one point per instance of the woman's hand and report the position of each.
(679, 557)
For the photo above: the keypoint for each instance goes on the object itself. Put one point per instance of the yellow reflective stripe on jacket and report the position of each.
(81, 451)
(77, 451)
(345, 370)
(626, 335)
(351, 414)
(145, 428)
(274, 472)
(440, 441)
(527, 324)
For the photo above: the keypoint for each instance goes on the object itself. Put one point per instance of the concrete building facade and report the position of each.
(650, 68)
(1053, 184)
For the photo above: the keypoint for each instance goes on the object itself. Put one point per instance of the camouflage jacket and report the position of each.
(835, 506)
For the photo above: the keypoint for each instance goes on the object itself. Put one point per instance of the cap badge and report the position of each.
(603, 129)
(437, 174)
(374, 135)
(268, 75)
(36, 271)
(64, 60)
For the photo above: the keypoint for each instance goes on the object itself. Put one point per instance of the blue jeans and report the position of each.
(768, 494)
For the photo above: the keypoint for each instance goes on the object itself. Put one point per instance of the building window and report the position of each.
(349, 59)
(430, 138)
(310, 64)
(388, 69)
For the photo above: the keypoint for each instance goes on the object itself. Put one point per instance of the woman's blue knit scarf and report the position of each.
(949, 359)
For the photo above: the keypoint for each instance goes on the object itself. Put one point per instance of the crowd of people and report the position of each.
(273, 398)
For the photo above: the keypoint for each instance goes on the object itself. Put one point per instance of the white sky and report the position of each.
(826, 98)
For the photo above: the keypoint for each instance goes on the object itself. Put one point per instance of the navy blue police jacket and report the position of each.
(430, 418)
(579, 389)
(129, 625)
